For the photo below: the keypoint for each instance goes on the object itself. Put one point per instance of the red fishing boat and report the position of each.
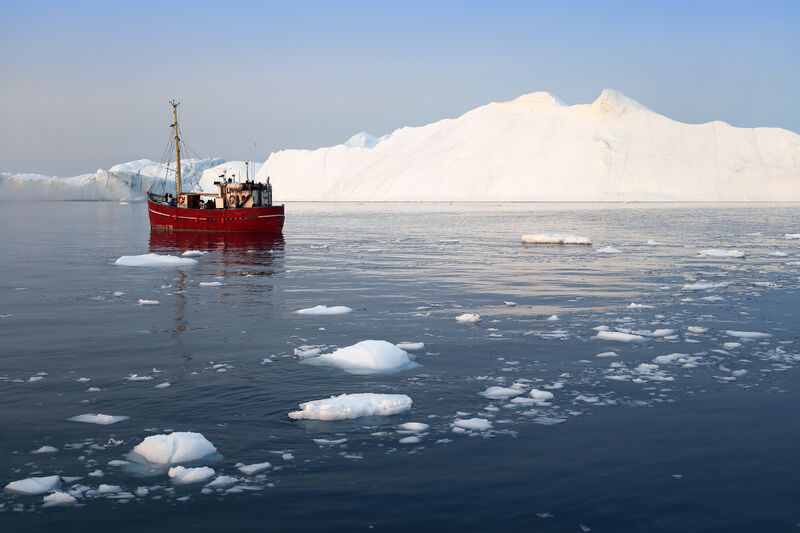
(236, 206)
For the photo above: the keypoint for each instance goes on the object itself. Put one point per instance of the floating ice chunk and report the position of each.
(174, 448)
(154, 260)
(58, 499)
(586, 399)
(163, 385)
(222, 481)
(552, 318)
(118, 462)
(99, 418)
(416, 427)
(501, 393)
(651, 242)
(34, 379)
(609, 250)
(411, 346)
(287, 456)
(639, 306)
(366, 357)
(93, 389)
(541, 394)
(713, 252)
(148, 302)
(732, 345)
(662, 332)
(468, 318)
(210, 284)
(137, 377)
(555, 238)
(703, 285)
(254, 468)
(671, 358)
(601, 328)
(791, 236)
(607, 354)
(325, 310)
(748, 334)
(697, 329)
(411, 439)
(765, 284)
(618, 336)
(348, 406)
(193, 253)
(329, 442)
(183, 476)
(45, 449)
(510, 304)
(83, 380)
(108, 489)
(33, 485)
(739, 373)
(473, 424)
(448, 241)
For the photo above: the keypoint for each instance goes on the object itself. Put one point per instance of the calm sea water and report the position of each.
(708, 443)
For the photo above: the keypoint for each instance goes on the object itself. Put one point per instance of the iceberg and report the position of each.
(325, 310)
(99, 418)
(183, 476)
(348, 406)
(535, 148)
(58, 499)
(174, 448)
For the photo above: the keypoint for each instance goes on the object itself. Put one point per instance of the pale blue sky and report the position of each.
(85, 84)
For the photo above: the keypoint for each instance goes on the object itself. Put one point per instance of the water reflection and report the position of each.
(260, 254)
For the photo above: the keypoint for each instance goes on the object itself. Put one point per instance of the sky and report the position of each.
(85, 85)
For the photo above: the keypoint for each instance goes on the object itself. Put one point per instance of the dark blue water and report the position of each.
(711, 446)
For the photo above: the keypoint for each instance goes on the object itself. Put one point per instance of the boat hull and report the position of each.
(249, 219)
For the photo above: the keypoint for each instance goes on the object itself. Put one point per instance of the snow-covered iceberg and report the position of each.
(347, 406)
(535, 148)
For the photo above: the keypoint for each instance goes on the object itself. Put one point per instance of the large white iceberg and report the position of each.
(366, 357)
(348, 406)
(535, 148)
(174, 448)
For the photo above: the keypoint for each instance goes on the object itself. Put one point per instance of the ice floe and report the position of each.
(148, 302)
(347, 406)
(254, 468)
(411, 346)
(618, 336)
(154, 260)
(174, 448)
(555, 238)
(472, 424)
(366, 357)
(193, 253)
(714, 252)
(34, 485)
(501, 393)
(45, 449)
(468, 318)
(98, 418)
(609, 250)
(183, 476)
(413, 427)
(747, 334)
(325, 310)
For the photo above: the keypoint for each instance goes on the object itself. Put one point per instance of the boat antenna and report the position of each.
(175, 105)
(247, 171)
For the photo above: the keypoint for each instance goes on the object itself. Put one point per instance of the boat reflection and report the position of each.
(253, 254)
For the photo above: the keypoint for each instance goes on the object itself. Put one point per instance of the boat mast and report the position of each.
(177, 145)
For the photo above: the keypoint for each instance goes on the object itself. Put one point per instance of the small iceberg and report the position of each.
(366, 357)
(410, 346)
(609, 250)
(325, 310)
(193, 253)
(154, 260)
(468, 318)
(472, 424)
(555, 238)
(348, 406)
(255, 468)
(747, 334)
(99, 418)
(58, 499)
(174, 448)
